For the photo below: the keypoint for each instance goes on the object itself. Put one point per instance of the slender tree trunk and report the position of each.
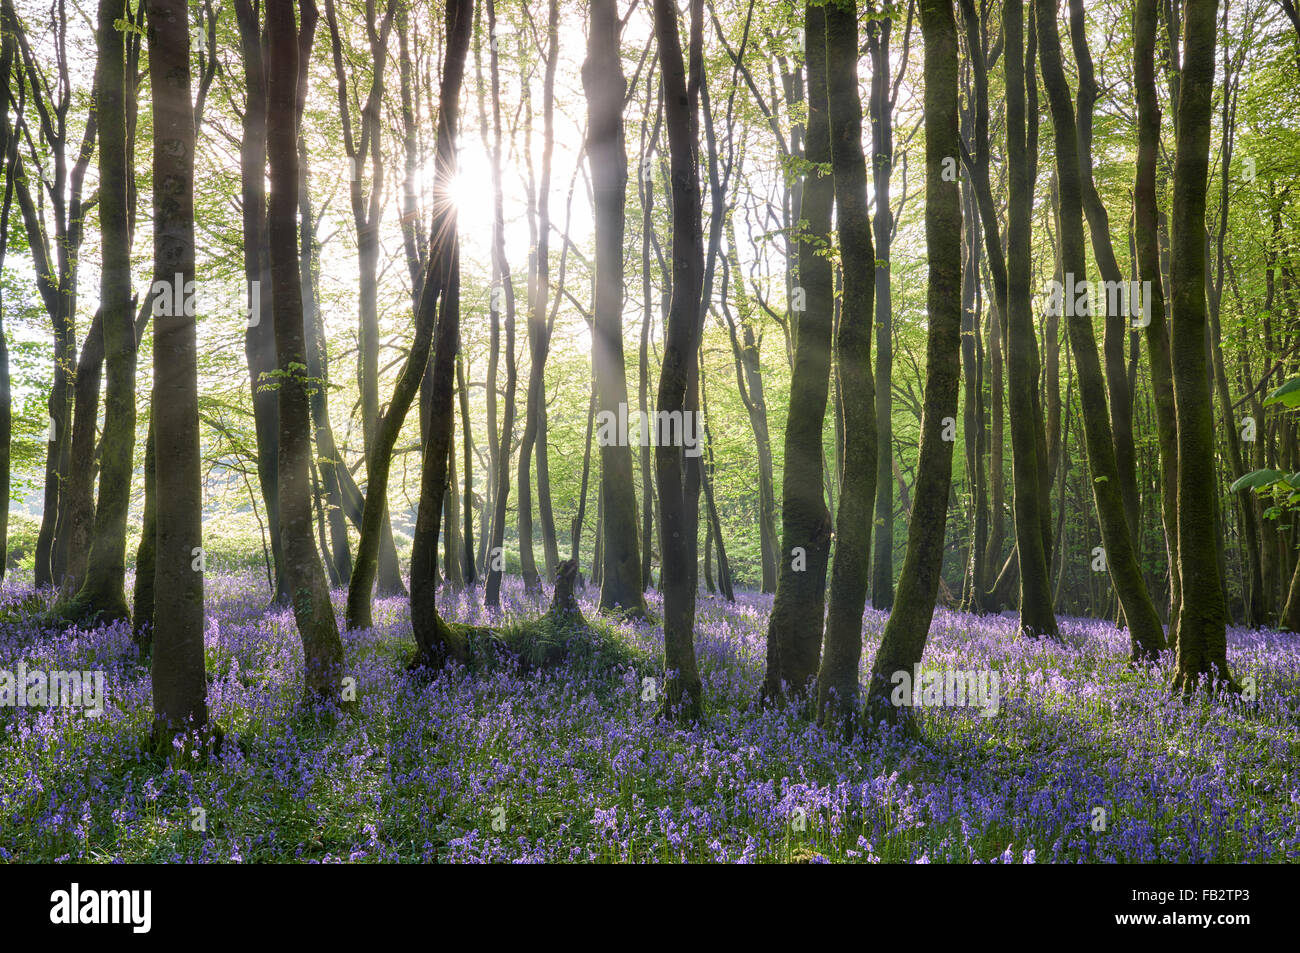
(77, 500)
(881, 109)
(328, 458)
(1202, 638)
(602, 79)
(837, 682)
(308, 588)
(367, 213)
(538, 336)
(1147, 236)
(646, 186)
(1145, 630)
(435, 641)
(177, 664)
(1033, 534)
(794, 633)
(677, 475)
(505, 291)
(103, 595)
(6, 392)
(469, 566)
(749, 382)
(710, 498)
(905, 633)
(259, 337)
(1116, 321)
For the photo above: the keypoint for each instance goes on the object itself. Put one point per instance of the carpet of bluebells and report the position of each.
(572, 764)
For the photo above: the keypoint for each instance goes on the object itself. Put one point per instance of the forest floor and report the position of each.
(1086, 759)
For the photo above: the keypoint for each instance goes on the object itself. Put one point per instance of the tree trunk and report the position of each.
(259, 336)
(436, 642)
(305, 576)
(538, 332)
(837, 682)
(1116, 325)
(905, 633)
(327, 455)
(102, 596)
(881, 110)
(794, 633)
(77, 500)
(1145, 630)
(602, 79)
(1033, 517)
(367, 212)
(496, 557)
(1147, 236)
(1202, 638)
(677, 475)
(177, 664)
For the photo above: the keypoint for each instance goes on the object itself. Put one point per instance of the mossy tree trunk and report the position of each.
(434, 640)
(678, 476)
(1145, 630)
(1202, 637)
(287, 47)
(102, 596)
(905, 633)
(837, 681)
(794, 630)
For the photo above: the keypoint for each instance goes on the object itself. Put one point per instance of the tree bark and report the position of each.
(1145, 631)
(837, 681)
(602, 80)
(678, 476)
(102, 596)
(177, 664)
(903, 642)
(1202, 637)
(435, 641)
(794, 633)
(304, 574)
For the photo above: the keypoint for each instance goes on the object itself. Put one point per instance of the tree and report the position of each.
(287, 46)
(55, 257)
(177, 664)
(881, 110)
(837, 682)
(602, 79)
(539, 285)
(102, 595)
(794, 631)
(677, 475)
(1202, 639)
(8, 151)
(1147, 245)
(502, 293)
(1028, 439)
(434, 640)
(367, 212)
(1145, 631)
(903, 642)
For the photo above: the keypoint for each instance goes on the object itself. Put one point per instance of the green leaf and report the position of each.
(1288, 395)
(1256, 479)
